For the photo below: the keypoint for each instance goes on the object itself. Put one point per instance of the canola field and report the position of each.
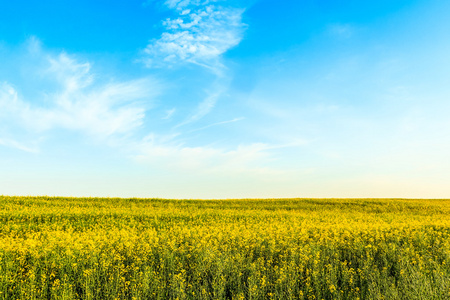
(94, 248)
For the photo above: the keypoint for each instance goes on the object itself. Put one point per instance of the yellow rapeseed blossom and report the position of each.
(92, 248)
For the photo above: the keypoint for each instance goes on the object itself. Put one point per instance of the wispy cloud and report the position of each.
(199, 34)
(202, 109)
(217, 124)
(183, 4)
(79, 100)
(250, 159)
(169, 154)
(17, 145)
(76, 102)
(169, 114)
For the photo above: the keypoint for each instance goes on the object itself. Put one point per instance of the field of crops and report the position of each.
(92, 248)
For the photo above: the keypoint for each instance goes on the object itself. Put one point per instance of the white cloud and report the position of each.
(183, 4)
(203, 108)
(218, 123)
(76, 102)
(251, 159)
(75, 99)
(200, 34)
(17, 145)
(169, 113)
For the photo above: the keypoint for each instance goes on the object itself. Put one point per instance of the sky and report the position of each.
(225, 99)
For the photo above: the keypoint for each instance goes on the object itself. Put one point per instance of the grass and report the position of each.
(106, 248)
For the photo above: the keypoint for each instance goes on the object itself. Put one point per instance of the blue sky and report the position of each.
(225, 99)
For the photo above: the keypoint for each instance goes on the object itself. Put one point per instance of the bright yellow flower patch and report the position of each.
(72, 248)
